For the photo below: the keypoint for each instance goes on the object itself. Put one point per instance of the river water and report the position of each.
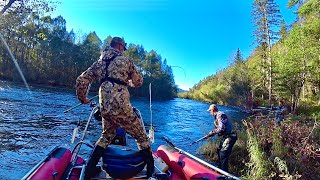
(32, 123)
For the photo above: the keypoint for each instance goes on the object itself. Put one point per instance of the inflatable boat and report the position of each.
(121, 162)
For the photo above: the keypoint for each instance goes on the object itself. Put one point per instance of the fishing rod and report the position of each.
(151, 130)
(77, 147)
(184, 72)
(204, 137)
(199, 160)
(79, 104)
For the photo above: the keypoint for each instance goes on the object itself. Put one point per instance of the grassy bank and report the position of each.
(266, 151)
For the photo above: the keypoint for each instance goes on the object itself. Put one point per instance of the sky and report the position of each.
(198, 38)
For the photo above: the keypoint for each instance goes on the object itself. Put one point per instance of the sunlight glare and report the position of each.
(15, 63)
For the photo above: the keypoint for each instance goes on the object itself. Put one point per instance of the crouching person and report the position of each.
(223, 128)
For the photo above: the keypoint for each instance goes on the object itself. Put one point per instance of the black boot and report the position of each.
(91, 168)
(147, 154)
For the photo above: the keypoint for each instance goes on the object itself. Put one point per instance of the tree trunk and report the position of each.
(7, 6)
(319, 82)
(292, 104)
(269, 57)
(270, 74)
(318, 93)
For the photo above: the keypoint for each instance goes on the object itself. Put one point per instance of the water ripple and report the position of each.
(30, 126)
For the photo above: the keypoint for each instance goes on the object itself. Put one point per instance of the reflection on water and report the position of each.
(31, 126)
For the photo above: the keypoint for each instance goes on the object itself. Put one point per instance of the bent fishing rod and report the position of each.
(199, 160)
(78, 105)
(204, 137)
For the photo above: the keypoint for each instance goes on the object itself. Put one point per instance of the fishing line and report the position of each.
(184, 72)
(15, 63)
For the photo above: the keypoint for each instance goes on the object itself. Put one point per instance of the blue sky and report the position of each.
(199, 37)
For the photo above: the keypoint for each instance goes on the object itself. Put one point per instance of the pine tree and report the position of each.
(266, 19)
(283, 30)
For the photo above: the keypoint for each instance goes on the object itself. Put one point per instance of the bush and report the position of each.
(309, 108)
(266, 151)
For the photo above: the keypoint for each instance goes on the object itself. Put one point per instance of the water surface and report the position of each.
(32, 124)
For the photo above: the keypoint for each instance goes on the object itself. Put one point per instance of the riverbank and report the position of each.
(140, 92)
(243, 109)
(266, 151)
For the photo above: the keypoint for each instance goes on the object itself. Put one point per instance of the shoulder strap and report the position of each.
(107, 66)
(107, 78)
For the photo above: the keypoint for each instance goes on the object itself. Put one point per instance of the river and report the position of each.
(32, 123)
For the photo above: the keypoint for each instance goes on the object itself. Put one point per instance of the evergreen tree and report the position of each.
(49, 54)
(266, 18)
(283, 30)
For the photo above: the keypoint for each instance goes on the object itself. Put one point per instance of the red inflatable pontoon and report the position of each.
(53, 166)
(183, 166)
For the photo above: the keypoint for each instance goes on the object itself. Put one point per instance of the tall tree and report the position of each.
(283, 30)
(91, 48)
(266, 19)
(238, 81)
(106, 42)
(310, 13)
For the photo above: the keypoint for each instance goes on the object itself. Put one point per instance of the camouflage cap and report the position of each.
(118, 40)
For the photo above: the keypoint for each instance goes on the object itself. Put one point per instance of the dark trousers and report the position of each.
(225, 149)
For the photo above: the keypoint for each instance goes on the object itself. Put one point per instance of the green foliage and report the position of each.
(48, 54)
(295, 64)
(210, 149)
(278, 149)
(154, 71)
(258, 163)
(238, 157)
(266, 151)
(308, 107)
(231, 86)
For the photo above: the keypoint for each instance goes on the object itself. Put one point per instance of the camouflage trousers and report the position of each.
(129, 122)
(126, 120)
(116, 111)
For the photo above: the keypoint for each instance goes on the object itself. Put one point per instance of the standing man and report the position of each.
(279, 112)
(115, 72)
(228, 138)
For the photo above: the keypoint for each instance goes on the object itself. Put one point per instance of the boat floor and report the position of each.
(141, 175)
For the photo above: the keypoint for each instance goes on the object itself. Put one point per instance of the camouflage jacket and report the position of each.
(120, 68)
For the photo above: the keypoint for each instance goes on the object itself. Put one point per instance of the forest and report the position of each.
(48, 54)
(284, 65)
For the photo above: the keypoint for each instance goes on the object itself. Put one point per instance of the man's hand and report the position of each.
(130, 83)
(209, 135)
(86, 101)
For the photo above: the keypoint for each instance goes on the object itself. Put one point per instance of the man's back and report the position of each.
(222, 123)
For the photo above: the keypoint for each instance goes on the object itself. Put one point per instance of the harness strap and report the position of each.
(110, 79)
(113, 80)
